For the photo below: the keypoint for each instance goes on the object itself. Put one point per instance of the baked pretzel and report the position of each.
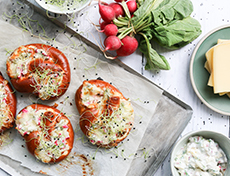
(39, 69)
(48, 132)
(8, 105)
(106, 115)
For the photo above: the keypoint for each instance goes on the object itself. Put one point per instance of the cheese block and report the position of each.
(221, 71)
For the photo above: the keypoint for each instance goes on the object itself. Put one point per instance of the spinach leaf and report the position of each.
(171, 10)
(144, 11)
(177, 33)
(184, 8)
(154, 60)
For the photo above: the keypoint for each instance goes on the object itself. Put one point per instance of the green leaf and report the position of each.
(166, 21)
(170, 10)
(144, 11)
(184, 7)
(154, 60)
(126, 9)
(178, 33)
(150, 64)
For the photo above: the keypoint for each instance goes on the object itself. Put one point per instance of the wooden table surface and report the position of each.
(210, 14)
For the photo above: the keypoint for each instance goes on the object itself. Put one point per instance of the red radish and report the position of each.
(118, 9)
(129, 45)
(132, 6)
(107, 13)
(104, 3)
(110, 29)
(102, 24)
(120, 0)
(112, 43)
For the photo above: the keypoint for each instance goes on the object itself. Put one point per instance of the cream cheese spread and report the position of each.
(201, 157)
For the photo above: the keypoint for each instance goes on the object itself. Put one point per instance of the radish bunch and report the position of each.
(165, 21)
(124, 45)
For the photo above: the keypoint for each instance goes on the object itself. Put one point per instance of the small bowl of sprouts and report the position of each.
(63, 6)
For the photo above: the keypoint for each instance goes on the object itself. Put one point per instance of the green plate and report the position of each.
(199, 75)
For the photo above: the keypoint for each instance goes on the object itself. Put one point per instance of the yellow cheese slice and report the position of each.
(222, 40)
(220, 67)
(221, 94)
(209, 56)
(228, 94)
(208, 64)
(218, 42)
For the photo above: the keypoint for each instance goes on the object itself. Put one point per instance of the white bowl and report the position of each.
(67, 8)
(222, 140)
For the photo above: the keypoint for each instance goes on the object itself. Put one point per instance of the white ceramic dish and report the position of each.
(199, 75)
(222, 140)
(68, 7)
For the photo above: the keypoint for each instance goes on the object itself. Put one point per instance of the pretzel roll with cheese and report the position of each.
(48, 133)
(106, 115)
(39, 69)
(8, 105)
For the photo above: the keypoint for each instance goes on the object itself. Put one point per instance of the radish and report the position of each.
(112, 43)
(120, 0)
(110, 29)
(104, 3)
(107, 13)
(132, 6)
(118, 9)
(129, 45)
(103, 24)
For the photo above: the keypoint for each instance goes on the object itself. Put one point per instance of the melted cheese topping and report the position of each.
(91, 95)
(114, 121)
(20, 59)
(46, 81)
(51, 145)
(4, 109)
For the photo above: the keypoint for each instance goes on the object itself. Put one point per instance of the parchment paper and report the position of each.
(84, 159)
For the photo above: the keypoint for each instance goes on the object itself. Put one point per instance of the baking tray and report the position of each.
(164, 129)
